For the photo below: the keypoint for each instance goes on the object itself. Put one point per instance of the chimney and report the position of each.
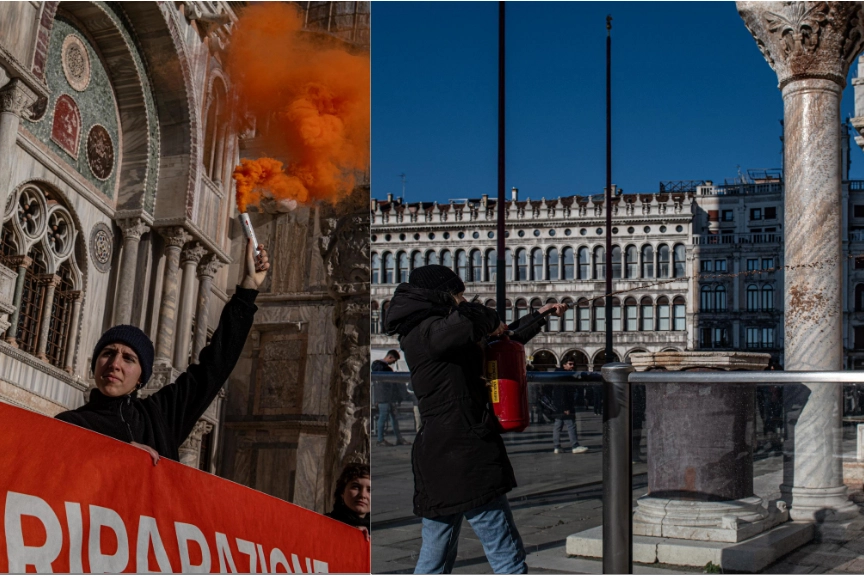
(390, 198)
(515, 194)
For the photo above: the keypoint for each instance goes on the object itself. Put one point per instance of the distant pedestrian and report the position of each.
(559, 404)
(387, 394)
(352, 499)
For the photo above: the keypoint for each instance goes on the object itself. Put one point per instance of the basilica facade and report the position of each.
(116, 152)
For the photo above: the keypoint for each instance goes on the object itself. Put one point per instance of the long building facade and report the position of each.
(116, 152)
(696, 266)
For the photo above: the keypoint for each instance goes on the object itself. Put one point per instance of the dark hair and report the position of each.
(350, 472)
(394, 354)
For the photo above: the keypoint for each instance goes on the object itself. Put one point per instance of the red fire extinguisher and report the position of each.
(508, 383)
(508, 380)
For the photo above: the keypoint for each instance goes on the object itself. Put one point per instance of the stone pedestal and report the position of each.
(700, 453)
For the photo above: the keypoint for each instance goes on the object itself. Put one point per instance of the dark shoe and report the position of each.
(403, 442)
(383, 443)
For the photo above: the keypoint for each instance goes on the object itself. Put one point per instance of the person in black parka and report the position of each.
(123, 362)
(460, 463)
(352, 498)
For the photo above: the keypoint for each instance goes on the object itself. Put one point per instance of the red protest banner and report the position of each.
(77, 501)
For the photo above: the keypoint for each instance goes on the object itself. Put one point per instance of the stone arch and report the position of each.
(580, 359)
(544, 359)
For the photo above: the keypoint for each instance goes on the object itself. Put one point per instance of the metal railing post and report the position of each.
(617, 470)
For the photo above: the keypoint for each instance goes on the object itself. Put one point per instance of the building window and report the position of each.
(728, 216)
(706, 266)
(859, 338)
(767, 297)
(647, 261)
(771, 213)
(416, 260)
(447, 259)
(389, 266)
(663, 261)
(553, 323)
(706, 298)
(403, 267)
(599, 263)
(508, 312)
(663, 314)
(760, 337)
(599, 315)
(714, 337)
(521, 264)
(567, 257)
(569, 323)
(376, 267)
(632, 258)
(376, 317)
(752, 298)
(679, 322)
(521, 309)
(462, 265)
(616, 262)
(491, 265)
(432, 257)
(631, 315)
(678, 259)
(537, 264)
(647, 315)
(767, 263)
(859, 297)
(720, 265)
(552, 264)
(756, 214)
(752, 264)
(508, 264)
(859, 210)
(584, 264)
(583, 316)
(476, 266)
(720, 298)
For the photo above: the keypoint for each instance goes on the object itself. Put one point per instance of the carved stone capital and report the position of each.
(16, 97)
(209, 266)
(192, 253)
(175, 236)
(48, 280)
(133, 228)
(801, 40)
(16, 262)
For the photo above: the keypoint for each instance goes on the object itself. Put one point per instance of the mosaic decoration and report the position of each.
(67, 125)
(76, 63)
(100, 152)
(101, 246)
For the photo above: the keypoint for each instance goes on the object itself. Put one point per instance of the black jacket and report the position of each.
(165, 419)
(343, 514)
(555, 399)
(458, 457)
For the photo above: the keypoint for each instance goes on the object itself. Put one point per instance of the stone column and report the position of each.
(133, 229)
(15, 97)
(77, 296)
(189, 259)
(206, 271)
(22, 262)
(190, 450)
(811, 46)
(50, 281)
(175, 238)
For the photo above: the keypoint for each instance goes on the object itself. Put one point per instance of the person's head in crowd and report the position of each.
(354, 489)
(441, 278)
(568, 364)
(392, 357)
(122, 361)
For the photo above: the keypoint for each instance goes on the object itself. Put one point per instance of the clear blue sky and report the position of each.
(693, 98)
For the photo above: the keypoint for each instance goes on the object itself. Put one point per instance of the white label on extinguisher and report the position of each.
(492, 376)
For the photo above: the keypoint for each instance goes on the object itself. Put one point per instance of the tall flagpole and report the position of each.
(608, 298)
(501, 268)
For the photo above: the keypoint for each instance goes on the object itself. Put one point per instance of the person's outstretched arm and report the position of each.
(467, 324)
(185, 401)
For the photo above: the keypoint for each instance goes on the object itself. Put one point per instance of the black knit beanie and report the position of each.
(435, 277)
(133, 337)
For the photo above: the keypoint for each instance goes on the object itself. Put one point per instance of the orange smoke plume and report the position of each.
(312, 97)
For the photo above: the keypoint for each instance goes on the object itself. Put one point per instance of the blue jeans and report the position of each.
(571, 431)
(385, 410)
(494, 526)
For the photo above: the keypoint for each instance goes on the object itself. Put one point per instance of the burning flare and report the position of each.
(313, 99)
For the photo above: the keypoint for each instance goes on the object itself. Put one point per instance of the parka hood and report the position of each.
(411, 305)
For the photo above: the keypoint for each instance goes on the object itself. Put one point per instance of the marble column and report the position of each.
(190, 450)
(77, 296)
(133, 229)
(22, 263)
(811, 46)
(175, 238)
(207, 269)
(189, 260)
(50, 282)
(15, 98)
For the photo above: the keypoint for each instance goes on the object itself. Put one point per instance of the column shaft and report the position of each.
(174, 239)
(206, 271)
(50, 282)
(69, 365)
(15, 97)
(190, 259)
(133, 229)
(12, 332)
